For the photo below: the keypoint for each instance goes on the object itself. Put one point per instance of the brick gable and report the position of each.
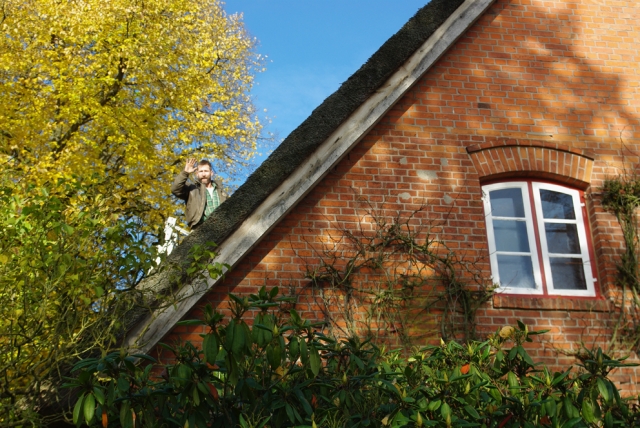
(555, 82)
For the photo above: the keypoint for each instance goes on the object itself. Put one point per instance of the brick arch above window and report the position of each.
(539, 159)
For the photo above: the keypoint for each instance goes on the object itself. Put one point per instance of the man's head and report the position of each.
(204, 172)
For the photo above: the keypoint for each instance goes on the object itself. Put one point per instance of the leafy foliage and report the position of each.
(124, 90)
(65, 273)
(621, 196)
(68, 276)
(283, 372)
(100, 102)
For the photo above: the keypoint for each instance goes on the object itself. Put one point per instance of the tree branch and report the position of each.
(85, 117)
(117, 85)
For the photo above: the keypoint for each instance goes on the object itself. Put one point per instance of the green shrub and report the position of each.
(283, 372)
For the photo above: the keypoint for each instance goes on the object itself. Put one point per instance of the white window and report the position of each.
(537, 239)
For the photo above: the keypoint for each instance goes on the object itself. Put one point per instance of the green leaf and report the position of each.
(445, 410)
(295, 317)
(550, 407)
(126, 419)
(145, 357)
(243, 422)
(525, 356)
(474, 414)
(183, 371)
(460, 377)
(572, 422)
(229, 336)
(264, 422)
(558, 378)
(512, 379)
(210, 348)
(569, 409)
(400, 420)
(358, 362)
(274, 355)
(196, 397)
(533, 333)
(495, 393)
(290, 414)
(513, 352)
(190, 322)
(604, 390)
(232, 370)
(390, 386)
(203, 387)
(434, 405)
(294, 347)
(78, 408)
(297, 415)
(123, 384)
(99, 394)
(89, 408)
(314, 360)
(588, 411)
(305, 404)
(608, 420)
(239, 339)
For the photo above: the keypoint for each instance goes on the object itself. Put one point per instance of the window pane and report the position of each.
(511, 236)
(515, 271)
(568, 274)
(556, 205)
(562, 238)
(507, 203)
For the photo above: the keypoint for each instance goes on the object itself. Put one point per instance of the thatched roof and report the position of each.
(316, 128)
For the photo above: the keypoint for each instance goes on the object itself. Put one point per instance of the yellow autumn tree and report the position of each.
(124, 89)
(100, 104)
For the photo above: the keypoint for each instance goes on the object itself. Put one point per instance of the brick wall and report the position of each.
(552, 83)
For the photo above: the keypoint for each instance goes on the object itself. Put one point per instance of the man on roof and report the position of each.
(201, 196)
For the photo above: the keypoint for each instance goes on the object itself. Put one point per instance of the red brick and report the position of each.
(563, 95)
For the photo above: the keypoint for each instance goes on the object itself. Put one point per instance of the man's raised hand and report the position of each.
(191, 166)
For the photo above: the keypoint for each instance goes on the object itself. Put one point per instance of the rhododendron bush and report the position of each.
(282, 371)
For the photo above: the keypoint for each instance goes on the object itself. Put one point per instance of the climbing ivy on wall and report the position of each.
(621, 196)
(394, 274)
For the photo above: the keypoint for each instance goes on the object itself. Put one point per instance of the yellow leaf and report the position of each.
(506, 332)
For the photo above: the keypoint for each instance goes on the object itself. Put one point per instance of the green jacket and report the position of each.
(194, 195)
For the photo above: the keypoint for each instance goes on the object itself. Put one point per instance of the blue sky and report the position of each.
(312, 47)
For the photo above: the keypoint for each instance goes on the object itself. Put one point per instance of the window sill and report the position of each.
(551, 303)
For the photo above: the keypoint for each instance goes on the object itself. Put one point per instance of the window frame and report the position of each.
(538, 248)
